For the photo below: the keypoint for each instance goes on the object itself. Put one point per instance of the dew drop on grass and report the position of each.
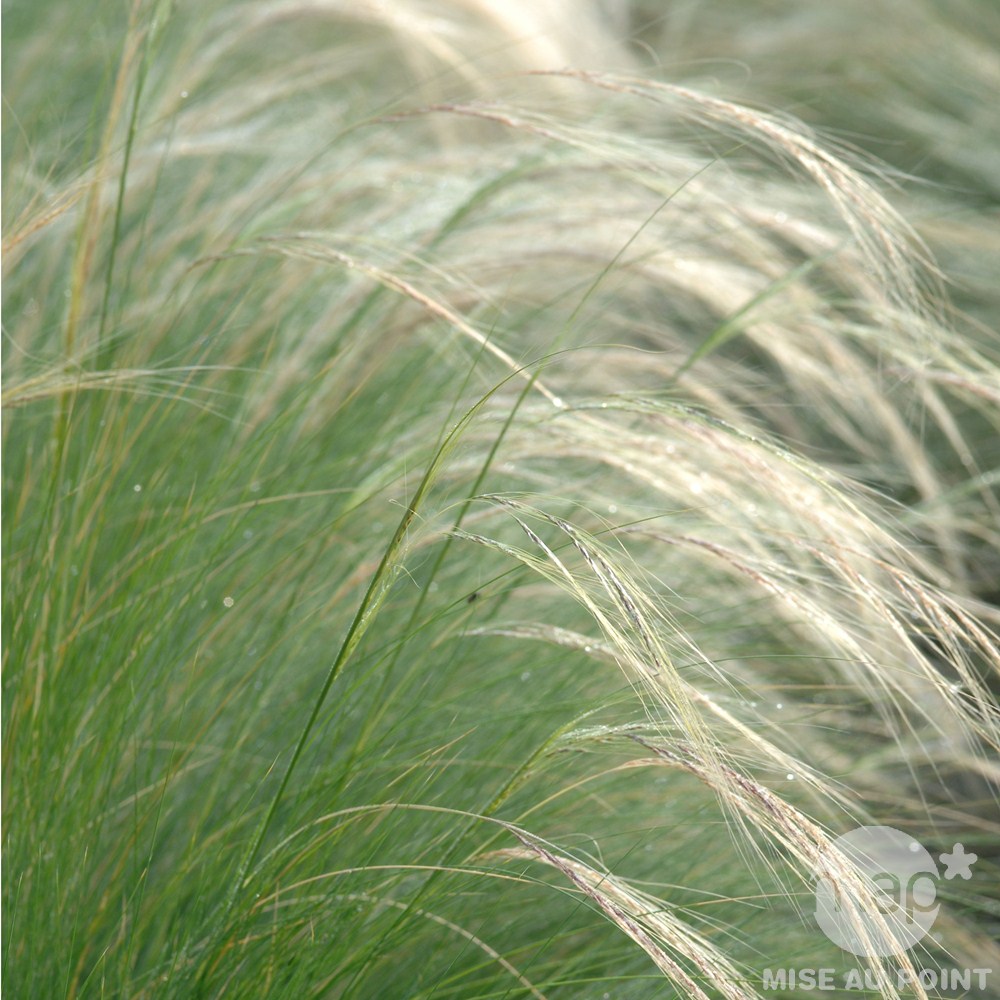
(228, 601)
(612, 508)
(526, 676)
(184, 93)
(790, 776)
(255, 487)
(779, 705)
(137, 488)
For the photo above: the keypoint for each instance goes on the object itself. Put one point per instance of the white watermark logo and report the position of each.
(904, 876)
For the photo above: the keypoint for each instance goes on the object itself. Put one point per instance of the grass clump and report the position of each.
(478, 528)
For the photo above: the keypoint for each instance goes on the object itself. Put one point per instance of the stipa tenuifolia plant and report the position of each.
(477, 527)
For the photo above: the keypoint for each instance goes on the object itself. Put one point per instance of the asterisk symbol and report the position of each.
(958, 863)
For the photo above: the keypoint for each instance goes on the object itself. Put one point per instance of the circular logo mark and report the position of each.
(903, 877)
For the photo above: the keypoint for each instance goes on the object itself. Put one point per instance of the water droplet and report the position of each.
(558, 403)
(137, 488)
(612, 508)
(588, 649)
(779, 705)
(228, 601)
(790, 776)
(255, 487)
(526, 676)
(184, 93)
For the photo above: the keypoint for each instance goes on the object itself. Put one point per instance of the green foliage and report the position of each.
(475, 528)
